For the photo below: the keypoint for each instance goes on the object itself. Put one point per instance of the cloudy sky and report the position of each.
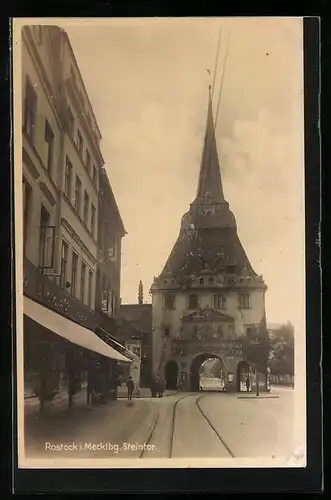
(148, 84)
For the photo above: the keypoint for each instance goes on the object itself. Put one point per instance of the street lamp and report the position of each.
(257, 352)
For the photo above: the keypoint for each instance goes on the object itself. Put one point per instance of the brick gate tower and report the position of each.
(208, 301)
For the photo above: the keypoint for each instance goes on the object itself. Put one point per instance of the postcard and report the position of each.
(160, 242)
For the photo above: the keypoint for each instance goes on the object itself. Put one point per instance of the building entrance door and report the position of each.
(171, 375)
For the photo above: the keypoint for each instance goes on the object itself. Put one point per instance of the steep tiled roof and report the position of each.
(208, 238)
(207, 249)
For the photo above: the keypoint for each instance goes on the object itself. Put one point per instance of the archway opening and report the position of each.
(171, 375)
(244, 376)
(207, 365)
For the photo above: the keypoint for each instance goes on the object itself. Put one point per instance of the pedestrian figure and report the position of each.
(248, 384)
(158, 386)
(130, 386)
(161, 388)
(153, 388)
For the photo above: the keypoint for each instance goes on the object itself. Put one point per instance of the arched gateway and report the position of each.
(195, 367)
(208, 298)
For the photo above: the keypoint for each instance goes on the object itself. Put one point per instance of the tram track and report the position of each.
(212, 426)
(173, 426)
(151, 434)
(173, 423)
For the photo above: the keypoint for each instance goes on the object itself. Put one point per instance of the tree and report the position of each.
(281, 350)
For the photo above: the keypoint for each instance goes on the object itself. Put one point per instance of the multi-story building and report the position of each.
(139, 317)
(61, 165)
(208, 301)
(110, 233)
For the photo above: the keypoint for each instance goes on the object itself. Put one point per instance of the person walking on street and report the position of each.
(130, 386)
(158, 386)
(161, 388)
(248, 384)
(153, 388)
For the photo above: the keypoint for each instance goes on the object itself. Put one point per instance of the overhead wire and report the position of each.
(222, 80)
(216, 61)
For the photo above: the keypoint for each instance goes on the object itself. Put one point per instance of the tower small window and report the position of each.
(244, 301)
(166, 332)
(169, 301)
(193, 302)
(219, 302)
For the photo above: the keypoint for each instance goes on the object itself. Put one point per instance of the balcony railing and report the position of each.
(44, 290)
(212, 281)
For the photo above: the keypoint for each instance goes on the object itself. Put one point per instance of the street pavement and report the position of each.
(204, 425)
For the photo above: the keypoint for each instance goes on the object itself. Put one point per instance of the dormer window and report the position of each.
(169, 301)
(219, 302)
(201, 281)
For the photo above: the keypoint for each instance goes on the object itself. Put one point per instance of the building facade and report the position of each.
(61, 160)
(110, 233)
(208, 301)
(139, 319)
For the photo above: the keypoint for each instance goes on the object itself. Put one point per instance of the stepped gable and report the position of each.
(208, 239)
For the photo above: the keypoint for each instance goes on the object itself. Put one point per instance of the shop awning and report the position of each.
(67, 329)
(130, 355)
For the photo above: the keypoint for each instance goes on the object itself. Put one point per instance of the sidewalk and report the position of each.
(59, 402)
(112, 422)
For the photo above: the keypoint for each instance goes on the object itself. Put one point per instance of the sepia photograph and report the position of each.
(159, 242)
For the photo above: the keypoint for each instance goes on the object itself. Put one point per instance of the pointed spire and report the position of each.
(210, 188)
(140, 293)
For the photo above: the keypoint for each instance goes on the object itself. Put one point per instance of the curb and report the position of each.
(124, 396)
(257, 397)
